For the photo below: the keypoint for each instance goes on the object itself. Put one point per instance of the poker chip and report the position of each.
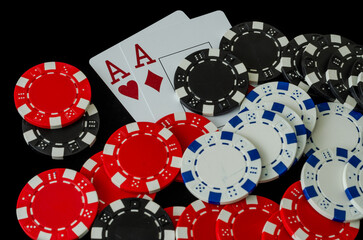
(288, 94)
(245, 219)
(338, 72)
(291, 60)
(291, 116)
(52, 95)
(107, 191)
(133, 218)
(57, 204)
(221, 167)
(315, 61)
(336, 125)
(274, 229)
(321, 181)
(211, 82)
(355, 86)
(66, 141)
(187, 126)
(302, 222)
(142, 157)
(353, 181)
(273, 137)
(259, 46)
(198, 221)
(174, 213)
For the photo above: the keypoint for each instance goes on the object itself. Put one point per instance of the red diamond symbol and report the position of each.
(153, 80)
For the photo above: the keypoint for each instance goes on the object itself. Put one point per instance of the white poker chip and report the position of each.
(221, 167)
(353, 180)
(322, 184)
(336, 126)
(294, 120)
(288, 94)
(273, 137)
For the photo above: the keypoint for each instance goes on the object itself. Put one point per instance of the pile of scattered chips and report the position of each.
(278, 122)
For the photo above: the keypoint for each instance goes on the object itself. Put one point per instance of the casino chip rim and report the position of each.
(316, 79)
(328, 207)
(48, 119)
(189, 217)
(38, 138)
(257, 75)
(194, 121)
(208, 107)
(334, 75)
(355, 83)
(296, 228)
(25, 210)
(150, 184)
(304, 103)
(132, 205)
(286, 157)
(352, 176)
(238, 188)
(227, 217)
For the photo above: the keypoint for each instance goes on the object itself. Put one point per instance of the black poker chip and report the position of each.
(63, 142)
(315, 61)
(133, 219)
(259, 46)
(291, 60)
(339, 70)
(355, 83)
(211, 82)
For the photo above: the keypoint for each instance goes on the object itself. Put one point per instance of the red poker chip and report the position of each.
(187, 127)
(142, 157)
(198, 221)
(302, 222)
(52, 95)
(274, 229)
(174, 213)
(107, 191)
(57, 204)
(245, 219)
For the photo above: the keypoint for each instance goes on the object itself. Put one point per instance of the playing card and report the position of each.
(154, 56)
(114, 70)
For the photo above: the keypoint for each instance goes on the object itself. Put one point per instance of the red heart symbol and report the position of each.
(130, 89)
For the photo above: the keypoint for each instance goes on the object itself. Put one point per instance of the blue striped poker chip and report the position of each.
(336, 125)
(221, 167)
(292, 117)
(273, 137)
(353, 180)
(321, 181)
(288, 94)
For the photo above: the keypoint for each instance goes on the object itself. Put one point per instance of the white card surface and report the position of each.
(114, 70)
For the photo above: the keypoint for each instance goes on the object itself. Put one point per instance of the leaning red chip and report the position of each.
(142, 157)
(245, 219)
(274, 229)
(174, 213)
(107, 191)
(197, 222)
(187, 127)
(302, 222)
(52, 95)
(57, 204)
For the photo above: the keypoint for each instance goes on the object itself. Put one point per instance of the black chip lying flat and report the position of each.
(339, 70)
(133, 219)
(315, 61)
(66, 141)
(211, 82)
(259, 46)
(355, 84)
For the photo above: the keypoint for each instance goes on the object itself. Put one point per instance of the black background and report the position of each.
(75, 32)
